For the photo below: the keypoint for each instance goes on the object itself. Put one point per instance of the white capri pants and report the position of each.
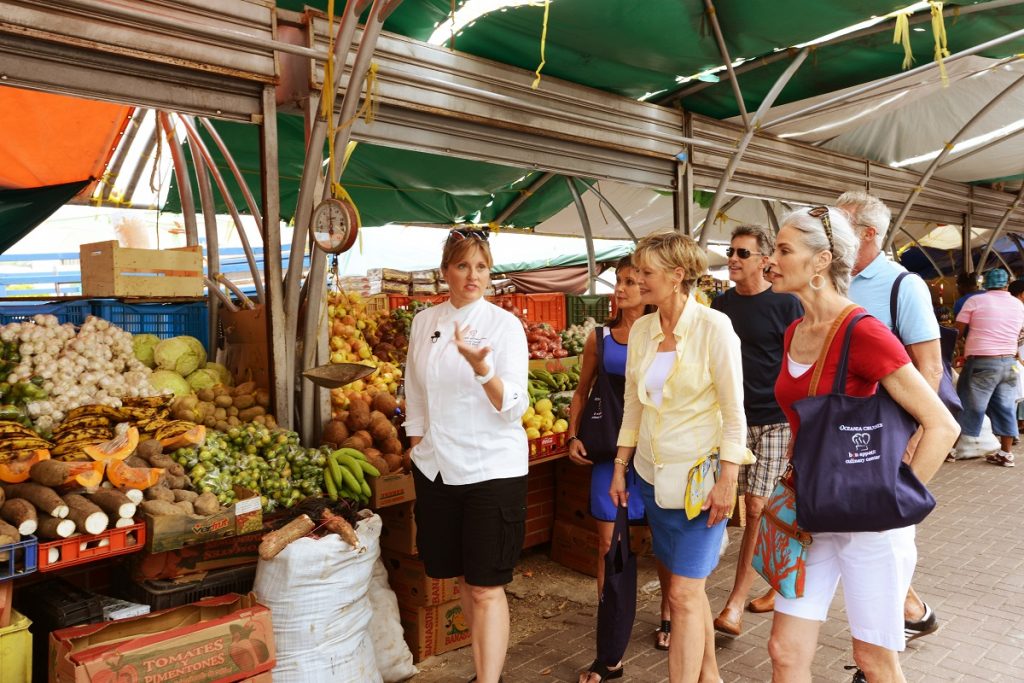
(876, 569)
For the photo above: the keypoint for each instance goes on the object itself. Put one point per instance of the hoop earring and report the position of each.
(675, 289)
(817, 287)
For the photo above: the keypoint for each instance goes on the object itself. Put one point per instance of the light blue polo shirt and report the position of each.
(872, 287)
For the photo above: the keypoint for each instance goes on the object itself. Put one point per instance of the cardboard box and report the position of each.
(435, 629)
(391, 489)
(110, 270)
(169, 532)
(245, 337)
(223, 553)
(409, 580)
(226, 638)
(577, 548)
(398, 532)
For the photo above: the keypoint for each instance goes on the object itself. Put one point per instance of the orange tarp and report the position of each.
(48, 139)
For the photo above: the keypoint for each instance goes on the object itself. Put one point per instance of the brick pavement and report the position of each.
(970, 570)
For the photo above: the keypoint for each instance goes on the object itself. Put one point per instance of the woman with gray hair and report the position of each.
(814, 253)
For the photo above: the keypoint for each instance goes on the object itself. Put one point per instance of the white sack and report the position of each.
(317, 593)
(394, 659)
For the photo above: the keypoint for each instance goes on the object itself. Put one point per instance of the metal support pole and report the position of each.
(709, 219)
(977, 150)
(114, 168)
(966, 228)
(997, 233)
(250, 201)
(585, 221)
(773, 220)
(934, 165)
(281, 374)
(615, 212)
(316, 284)
(684, 183)
(748, 135)
(524, 196)
(147, 151)
(724, 51)
(913, 240)
(845, 97)
(204, 153)
(209, 208)
(188, 206)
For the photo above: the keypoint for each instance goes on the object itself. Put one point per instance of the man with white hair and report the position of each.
(874, 277)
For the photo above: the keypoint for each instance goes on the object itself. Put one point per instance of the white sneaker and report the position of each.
(968, 447)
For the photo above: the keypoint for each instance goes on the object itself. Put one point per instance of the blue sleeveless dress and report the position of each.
(601, 507)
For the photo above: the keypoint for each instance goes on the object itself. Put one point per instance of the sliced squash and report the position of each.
(16, 470)
(125, 476)
(193, 437)
(118, 448)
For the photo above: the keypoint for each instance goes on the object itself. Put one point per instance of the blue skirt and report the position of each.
(686, 546)
(601, 507)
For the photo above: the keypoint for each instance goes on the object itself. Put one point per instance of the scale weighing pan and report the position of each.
(337, 375)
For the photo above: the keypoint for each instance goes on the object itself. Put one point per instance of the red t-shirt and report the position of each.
(874, 353)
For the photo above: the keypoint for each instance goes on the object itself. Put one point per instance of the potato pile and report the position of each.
(222, 407)
(173, 494)
(367, 428)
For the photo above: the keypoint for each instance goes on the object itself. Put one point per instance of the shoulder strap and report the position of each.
(839, 386)
(819, 365)
(894, 296)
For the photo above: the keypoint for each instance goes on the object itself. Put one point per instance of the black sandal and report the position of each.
(666, 628)
(501, 679)
(603, 672)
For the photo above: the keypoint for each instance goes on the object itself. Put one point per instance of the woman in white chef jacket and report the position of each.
(465, 391)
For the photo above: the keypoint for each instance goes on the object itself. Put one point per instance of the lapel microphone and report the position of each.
(434, 337)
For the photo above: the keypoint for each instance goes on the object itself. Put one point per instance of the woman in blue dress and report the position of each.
(615, 333)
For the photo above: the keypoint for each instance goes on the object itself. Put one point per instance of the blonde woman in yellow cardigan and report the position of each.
(684, 431)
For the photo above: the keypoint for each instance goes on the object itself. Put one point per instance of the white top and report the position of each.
(657, 374)
(797, 369)
(464, 437)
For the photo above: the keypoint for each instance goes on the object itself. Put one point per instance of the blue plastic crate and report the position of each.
(74, 312)
(163, 320)
(22, 558)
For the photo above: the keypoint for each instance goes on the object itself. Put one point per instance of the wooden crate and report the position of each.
(113, 271)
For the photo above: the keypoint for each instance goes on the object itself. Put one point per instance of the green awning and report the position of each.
(388, 185)
(23, 210)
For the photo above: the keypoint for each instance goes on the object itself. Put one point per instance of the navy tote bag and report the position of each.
(602, 414)
(617, 608)
(848, 460)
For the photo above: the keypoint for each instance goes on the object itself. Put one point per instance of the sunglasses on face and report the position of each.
(821, 213)
(467, 233)
(742, 253)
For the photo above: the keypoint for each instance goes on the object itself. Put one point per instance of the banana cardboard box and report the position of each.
(224, 638)
(434, 630)
(170, 532)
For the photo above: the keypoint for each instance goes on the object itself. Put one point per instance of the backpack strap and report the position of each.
(819, 365)
(894, 296)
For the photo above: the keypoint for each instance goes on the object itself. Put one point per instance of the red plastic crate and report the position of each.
(401, 301)
(545, 308)
(547, 446)
(86, 548)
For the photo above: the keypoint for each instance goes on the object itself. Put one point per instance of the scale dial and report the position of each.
(334, 225)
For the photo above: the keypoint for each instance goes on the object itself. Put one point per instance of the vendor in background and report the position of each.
(465, 394)
(684, 403)
(614, 334)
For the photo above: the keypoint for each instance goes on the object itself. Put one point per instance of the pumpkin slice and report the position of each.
(16, 470)
(125, 476)
(193, 437)
(118, 448)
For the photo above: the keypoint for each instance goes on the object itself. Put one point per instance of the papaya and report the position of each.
(16, 470)
(54, 473)
(124, 476)
(118, 448)
(193, 437)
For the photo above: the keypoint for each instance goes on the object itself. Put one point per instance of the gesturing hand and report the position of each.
(475, 355)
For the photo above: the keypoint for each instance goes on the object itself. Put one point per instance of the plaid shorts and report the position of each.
(769, 444)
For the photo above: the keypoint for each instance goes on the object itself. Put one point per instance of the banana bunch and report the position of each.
(553, 382)
(84, 426)
(345, 475)
(17, 440)
(157, 428)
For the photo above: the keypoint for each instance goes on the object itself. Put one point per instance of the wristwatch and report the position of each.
(571, 439)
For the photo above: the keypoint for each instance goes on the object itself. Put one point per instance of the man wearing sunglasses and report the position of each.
(760, 318)
(874, 277)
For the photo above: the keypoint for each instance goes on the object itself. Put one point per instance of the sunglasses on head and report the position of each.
(466, 233)
(821, 213)
(742, 253)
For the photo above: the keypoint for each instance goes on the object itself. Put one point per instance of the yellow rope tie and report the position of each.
(939, 31)
(901, 35)
(949, 146)
(494, 227)
(543, 43)
(369, 108)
